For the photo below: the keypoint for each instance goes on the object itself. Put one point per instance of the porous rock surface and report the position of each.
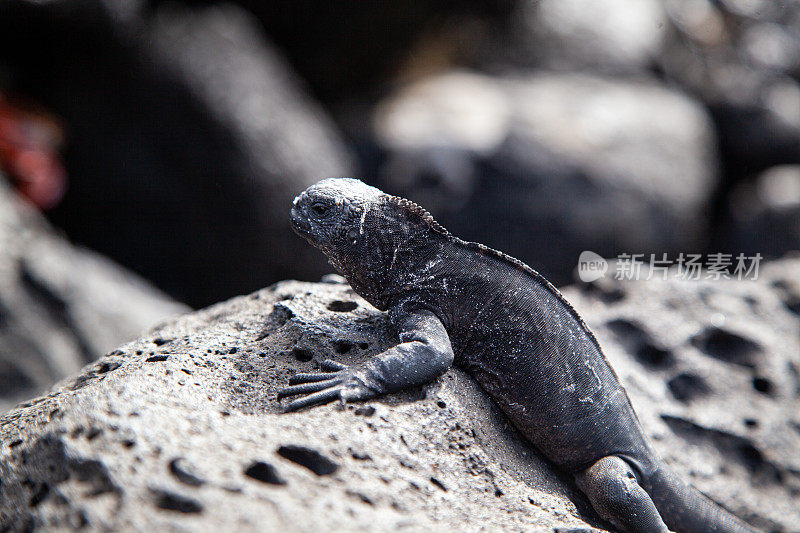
(181, 429)
(713, 370)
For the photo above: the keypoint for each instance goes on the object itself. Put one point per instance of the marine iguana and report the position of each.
(462, 303)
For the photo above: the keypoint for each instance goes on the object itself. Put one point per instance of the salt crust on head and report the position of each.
(340, 189)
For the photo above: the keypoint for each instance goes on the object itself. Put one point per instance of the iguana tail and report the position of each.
(685, 509)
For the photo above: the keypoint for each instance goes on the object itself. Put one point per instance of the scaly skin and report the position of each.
(455, 302)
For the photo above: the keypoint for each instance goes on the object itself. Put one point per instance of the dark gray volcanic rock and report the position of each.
(181, 430)
(521, 161)
(185, 127)
(369, 42)
(769, 205)
(743, 59)
(581, 35)
(61, 306)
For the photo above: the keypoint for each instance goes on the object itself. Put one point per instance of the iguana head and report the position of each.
(331, 214)
(366, 233)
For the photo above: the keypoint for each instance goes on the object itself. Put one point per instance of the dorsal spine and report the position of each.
(491, 252)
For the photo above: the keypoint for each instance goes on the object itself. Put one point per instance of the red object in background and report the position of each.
(29, 143)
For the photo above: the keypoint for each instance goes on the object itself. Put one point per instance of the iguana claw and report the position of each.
(338, 382)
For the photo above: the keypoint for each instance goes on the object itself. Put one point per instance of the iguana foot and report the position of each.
(616, 495)
(337, 382)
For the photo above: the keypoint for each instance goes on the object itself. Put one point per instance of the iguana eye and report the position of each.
(320, 209)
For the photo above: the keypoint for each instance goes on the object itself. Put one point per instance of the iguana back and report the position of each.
(531, 351)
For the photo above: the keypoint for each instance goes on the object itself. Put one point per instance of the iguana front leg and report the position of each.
(424, 353)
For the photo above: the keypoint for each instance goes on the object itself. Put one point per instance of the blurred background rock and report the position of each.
(542, 128)
(61, 306)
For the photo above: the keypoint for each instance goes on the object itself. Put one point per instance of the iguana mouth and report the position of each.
(300, 223)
